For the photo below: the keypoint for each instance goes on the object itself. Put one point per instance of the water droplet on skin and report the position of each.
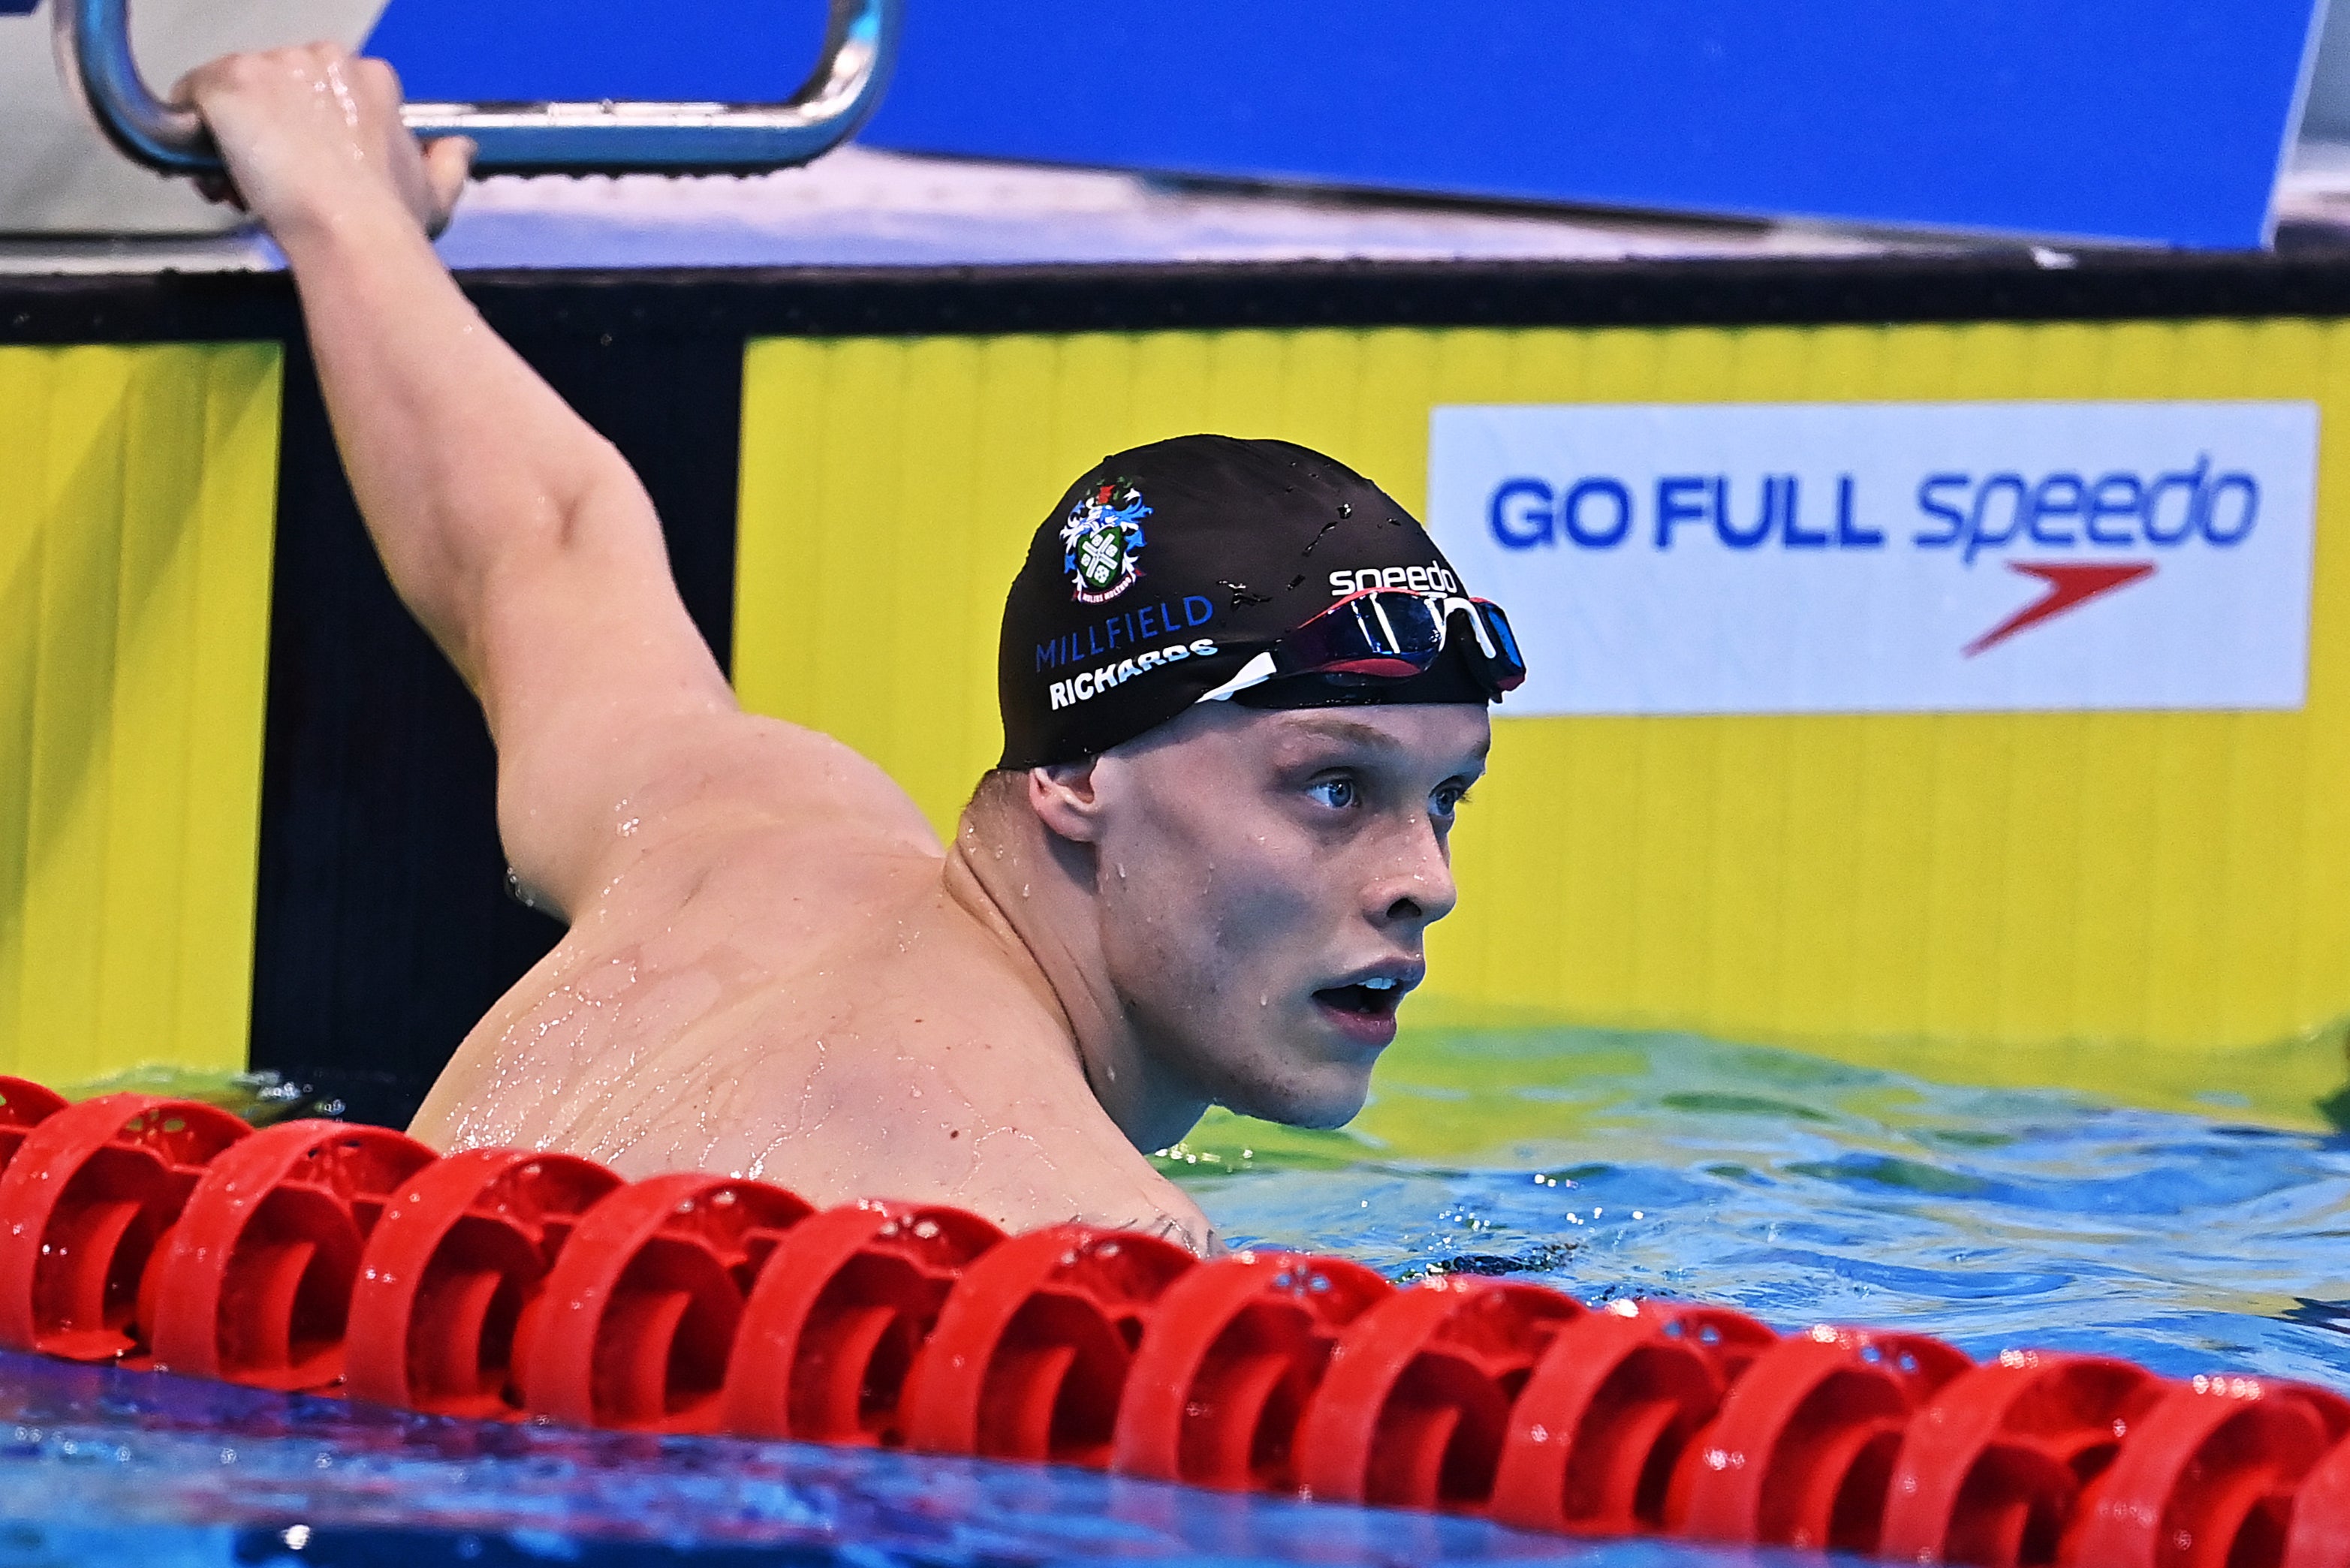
(1023, 889)
(1264, 1001)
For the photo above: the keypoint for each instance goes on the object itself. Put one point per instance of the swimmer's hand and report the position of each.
(313, 140)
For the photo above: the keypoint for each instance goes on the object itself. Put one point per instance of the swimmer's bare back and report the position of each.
(773, 967)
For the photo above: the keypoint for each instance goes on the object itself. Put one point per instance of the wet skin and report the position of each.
(773, 967)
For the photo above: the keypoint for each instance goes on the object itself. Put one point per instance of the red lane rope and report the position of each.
(500, 1284)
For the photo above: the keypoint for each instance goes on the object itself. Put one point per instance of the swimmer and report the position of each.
(1243, 697)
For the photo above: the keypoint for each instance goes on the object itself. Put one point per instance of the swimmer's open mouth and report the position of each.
(1375, 996)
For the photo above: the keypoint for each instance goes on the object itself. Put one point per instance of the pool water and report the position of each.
(1608, 1165)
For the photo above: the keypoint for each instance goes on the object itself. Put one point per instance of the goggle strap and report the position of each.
(1486, 644)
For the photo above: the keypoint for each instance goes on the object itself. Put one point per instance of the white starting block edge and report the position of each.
(859, 208)
(863, 208)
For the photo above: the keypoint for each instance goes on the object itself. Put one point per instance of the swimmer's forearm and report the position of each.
(466, 465)
(518, 536)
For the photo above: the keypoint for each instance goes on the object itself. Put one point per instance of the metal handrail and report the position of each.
(607, 138)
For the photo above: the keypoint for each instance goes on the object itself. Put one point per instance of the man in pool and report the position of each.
(1242, 695)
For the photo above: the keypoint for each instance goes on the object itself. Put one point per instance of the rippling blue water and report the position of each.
(1794, 1190)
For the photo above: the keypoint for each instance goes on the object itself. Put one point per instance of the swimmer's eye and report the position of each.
(1448, 798)
(1338, 794)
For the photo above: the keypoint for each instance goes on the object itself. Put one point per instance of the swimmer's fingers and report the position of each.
(313, 138)
(216, 188)
(220, 190)
(447, 162)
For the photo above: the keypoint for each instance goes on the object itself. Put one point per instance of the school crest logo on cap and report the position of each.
(1101, 541)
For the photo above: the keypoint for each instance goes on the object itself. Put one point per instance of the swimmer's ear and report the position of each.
(1065, 800)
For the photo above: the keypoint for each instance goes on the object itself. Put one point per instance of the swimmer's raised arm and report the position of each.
(518, 536)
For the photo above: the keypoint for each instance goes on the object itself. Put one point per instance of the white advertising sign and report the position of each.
(1888, 557)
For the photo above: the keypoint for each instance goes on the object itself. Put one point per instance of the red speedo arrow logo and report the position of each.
(2070, 586)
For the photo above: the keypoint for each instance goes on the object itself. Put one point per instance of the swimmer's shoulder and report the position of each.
(709, 784)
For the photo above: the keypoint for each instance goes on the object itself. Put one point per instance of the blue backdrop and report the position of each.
(2158, 120)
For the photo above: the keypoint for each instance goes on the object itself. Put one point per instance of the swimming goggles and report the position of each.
(1387, 634)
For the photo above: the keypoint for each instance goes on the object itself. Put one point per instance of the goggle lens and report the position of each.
(1390, 633)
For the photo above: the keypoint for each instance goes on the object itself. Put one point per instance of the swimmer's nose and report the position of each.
(1416, 888)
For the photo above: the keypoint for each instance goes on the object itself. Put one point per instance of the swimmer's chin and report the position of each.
(1315, 1112)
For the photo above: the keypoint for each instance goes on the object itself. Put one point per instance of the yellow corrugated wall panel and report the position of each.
(2038, 883)
(135, 536)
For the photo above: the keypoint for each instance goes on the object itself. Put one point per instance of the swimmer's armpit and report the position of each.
(533, 899)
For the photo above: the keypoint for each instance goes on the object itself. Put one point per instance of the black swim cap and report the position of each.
(1165, 569)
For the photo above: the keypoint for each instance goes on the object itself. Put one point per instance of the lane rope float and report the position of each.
(323, 1257)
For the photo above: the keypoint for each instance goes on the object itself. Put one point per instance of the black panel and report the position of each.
(2311, 276)
(384, 930)
(145, 307)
